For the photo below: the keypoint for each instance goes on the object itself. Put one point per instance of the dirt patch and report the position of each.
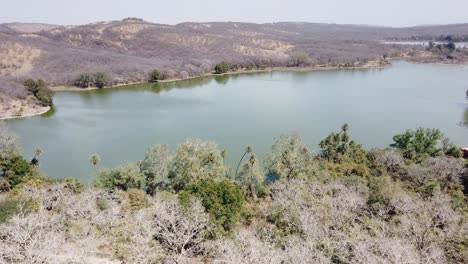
(15, 108)
(17, 59)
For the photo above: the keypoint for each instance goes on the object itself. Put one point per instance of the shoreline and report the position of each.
(31, 112)
(369, 65)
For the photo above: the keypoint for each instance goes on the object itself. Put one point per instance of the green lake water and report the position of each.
(248, 109)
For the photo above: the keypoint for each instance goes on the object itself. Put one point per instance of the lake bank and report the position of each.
(15, 108)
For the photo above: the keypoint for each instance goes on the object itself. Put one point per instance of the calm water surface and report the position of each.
(238, 110)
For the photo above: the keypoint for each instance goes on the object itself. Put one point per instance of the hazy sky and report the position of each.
(376, 12)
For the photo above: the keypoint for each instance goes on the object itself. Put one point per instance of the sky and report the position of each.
(396, 13)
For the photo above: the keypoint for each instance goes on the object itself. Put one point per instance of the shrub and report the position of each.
(338, 147)
(100, 79)
(223, 201)
(290, 158)
(14, 205)
(221, 68)
(155, 76)
(196, 159)
(155, 167)
(179, 229)
(85, 80)
(124, 177)
(15, 168)
(422, 141)
(40, 90)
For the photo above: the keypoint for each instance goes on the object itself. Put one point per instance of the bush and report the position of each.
(155, 76)
(125, 177)
(223, 201)
(15, 169)
(100, 79)
(14, 205)
(418, 143)
(40, 90)
(221, 68)
(196, 159)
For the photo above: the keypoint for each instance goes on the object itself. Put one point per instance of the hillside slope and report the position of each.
(127, 50)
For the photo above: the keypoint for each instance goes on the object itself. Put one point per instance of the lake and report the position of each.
(248, 109)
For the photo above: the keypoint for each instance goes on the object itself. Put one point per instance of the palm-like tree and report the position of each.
(248, 150)
(35, 159)
(94, 159)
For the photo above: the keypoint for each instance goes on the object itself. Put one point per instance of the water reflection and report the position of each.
(464, 121)
(51, 112)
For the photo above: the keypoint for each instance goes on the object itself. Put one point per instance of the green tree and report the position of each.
(124, 177)
(196, 159)
(35, 159)
(223, 201)
(290, 158)
(251, 177)
(248, 150)
(221, 68)
(40, 90)
(100, 79)
(422, 141)
(85, 80)
(155, 167)
(338, 147)
(154, 76)
(94, 159)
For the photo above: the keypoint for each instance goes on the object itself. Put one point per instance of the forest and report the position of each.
(342, 204)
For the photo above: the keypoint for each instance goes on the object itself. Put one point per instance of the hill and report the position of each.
(127, 50)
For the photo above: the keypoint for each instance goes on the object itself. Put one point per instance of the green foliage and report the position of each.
(221, 68)
(137, 199)
(155, 76)
(124, 177)
(223, 201)
(251, 177)
(196, 159)
(100, 79)
(338, 147)
(15, 169)
(290, 158)
(40, 90)
(155, 167)
(85, 80)
(14, 205)
(424, 142)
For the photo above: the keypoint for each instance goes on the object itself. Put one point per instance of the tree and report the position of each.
(154, 76)
(248, 150)
(423, 141)
(300, 59)
(85, 80)
(40, 90)
(35, 159)
(124, 177)
(222, 200)
(155, 167)
(338, 147)
(94, 159)
(100, 79)
(451, 46)
(251, 177)
(290, 157)
(221, 68)
(196, 159)
(178, 229)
